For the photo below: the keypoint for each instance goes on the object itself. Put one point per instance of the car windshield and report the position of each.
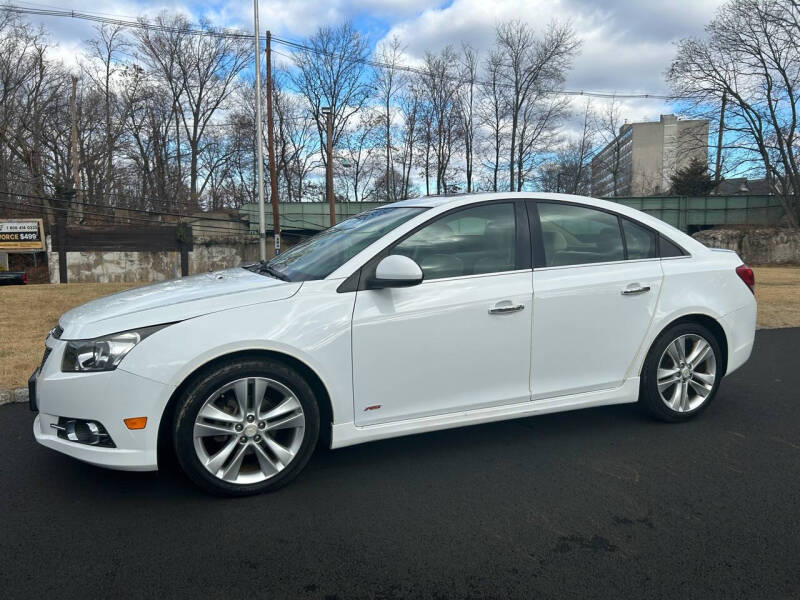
(321, 255)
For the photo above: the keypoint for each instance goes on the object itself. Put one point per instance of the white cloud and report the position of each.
(627, 44)
(69, 35)
(621, 43)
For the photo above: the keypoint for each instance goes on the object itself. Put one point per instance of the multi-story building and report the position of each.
(643, 157)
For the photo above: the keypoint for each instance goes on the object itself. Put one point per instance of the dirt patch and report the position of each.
(778, 295)
(28, 312)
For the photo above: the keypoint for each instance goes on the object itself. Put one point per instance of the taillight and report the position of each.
(24, 278)
(746, 274)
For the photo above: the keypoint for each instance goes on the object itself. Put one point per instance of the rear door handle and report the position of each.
(502, 308)
(637, 290)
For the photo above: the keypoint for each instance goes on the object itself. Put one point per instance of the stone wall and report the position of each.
(756, 246)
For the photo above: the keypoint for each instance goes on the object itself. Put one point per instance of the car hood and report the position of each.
(172, 301)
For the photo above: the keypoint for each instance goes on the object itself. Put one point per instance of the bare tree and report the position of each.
(150, 111)
(32, 93)
(295, 137)
(331, 73)
(439, 86)
(104, 52)
(164, 118)
(493, 110)
(569, 170)
(751, 54)
(358, 157)
(209, 66)
(582, 151)
(410, 110)
(159, 50)
(466, 100)
(532, 66)
(388, 83)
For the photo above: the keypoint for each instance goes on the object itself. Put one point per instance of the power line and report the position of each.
(136, 24)
(114, 218)
(119, 221)
(238, 34)
(155, 213)
(185, 204)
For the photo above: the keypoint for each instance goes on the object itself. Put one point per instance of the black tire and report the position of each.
(649, 396)
(210, 380)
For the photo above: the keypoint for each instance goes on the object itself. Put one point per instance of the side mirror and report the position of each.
(396, 270)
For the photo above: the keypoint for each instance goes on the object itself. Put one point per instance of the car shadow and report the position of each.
(353, 466)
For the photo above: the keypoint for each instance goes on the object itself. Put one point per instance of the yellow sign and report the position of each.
(20, 234)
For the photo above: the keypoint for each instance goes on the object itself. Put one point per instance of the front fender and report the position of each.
(313, 326)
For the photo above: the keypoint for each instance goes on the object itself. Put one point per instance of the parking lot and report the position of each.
(596, 503)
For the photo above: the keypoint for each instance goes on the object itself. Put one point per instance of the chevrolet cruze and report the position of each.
(420, 315)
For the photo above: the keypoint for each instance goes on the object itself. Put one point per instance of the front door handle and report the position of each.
(505, 308)
(637, 290)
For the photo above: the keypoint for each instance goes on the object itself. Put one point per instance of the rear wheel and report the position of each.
(246, 427)
(681, 373)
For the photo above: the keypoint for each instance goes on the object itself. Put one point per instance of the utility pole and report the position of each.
(273, 171)
(326, 110)
(76, 174)
(262, 230)
(719, 140)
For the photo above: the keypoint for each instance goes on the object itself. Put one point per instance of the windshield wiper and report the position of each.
(264, 267)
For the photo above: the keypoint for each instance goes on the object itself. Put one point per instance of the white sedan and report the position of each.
(420, 315)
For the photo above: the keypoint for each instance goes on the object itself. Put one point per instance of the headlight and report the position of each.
(104, 353)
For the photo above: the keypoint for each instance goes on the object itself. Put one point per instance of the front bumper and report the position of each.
(123, 459)
(108, 398)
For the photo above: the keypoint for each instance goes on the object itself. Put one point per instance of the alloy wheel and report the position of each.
(249, 430)
(686, 373)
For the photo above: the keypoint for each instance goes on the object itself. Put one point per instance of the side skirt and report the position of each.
(348, 434)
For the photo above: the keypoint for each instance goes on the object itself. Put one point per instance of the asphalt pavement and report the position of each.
(600, 503)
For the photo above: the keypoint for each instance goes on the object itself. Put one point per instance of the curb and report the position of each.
(13, 395)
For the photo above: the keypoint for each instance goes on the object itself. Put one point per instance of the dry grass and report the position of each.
(29, 312)
(778, 295)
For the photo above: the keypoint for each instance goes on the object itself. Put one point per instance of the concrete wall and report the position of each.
(757, 246)
(104, 267)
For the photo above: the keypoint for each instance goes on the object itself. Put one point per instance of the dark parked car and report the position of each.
(12, 278)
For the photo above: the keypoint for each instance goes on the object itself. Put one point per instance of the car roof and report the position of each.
(464, 199)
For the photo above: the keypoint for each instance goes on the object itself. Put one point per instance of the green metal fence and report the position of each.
(685, 213)
(307, 216)
(693, 213)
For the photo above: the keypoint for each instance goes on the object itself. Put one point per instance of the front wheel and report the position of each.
(246, 427)
(681, 373)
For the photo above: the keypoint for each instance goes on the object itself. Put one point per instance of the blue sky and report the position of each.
(627, 44)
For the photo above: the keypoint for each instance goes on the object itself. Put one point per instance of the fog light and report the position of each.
(81, 431)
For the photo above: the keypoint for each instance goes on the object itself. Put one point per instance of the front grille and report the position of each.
(47, 352)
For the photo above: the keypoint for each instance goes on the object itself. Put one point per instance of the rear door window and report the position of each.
(577, 235)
